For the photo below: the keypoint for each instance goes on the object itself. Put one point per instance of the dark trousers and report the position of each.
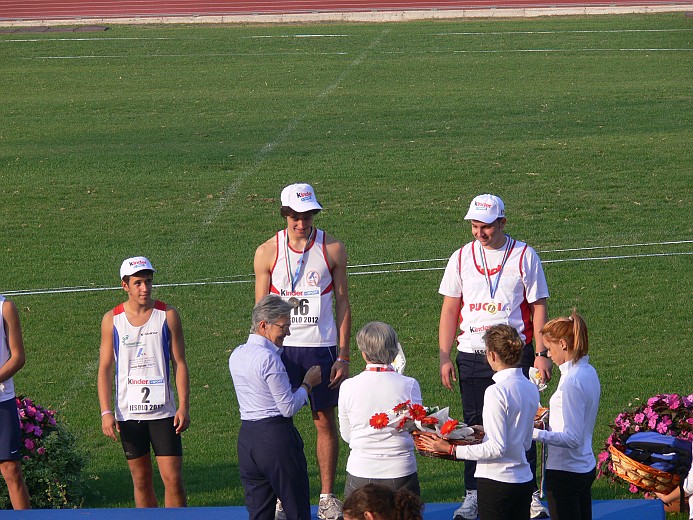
(409, 482)
(569, 494)
(503, 501)
(272, 465)
(475, 376)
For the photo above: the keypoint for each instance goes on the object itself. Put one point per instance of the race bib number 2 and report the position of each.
(147, 396)
(306, 310)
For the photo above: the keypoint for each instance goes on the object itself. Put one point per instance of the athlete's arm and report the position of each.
(109, 426)
(181, 421)
(13, 331)
(540, 315)
(447, 329)
(262, 265)
(337, 258)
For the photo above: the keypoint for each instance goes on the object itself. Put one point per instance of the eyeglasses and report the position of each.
(285, 327)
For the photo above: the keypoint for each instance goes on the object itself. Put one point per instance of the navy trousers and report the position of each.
(272, 465)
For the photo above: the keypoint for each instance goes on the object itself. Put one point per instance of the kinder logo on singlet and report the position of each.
(145, 381)
(491, 308)
(477, 330)
(284, 292)
(482, 205)
(304, 195)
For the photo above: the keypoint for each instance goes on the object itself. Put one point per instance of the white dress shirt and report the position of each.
(384, 453)
(262, 385)
(572, 414)
(509, 409)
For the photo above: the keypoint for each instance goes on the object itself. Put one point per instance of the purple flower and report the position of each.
(38, 431)
(633, 489)
(652, 423)
(39, 415)
(663, 426)
(639, 418)
(673, 401)
(653, 400)
(41, 450)
(688, 401)
(603, 456)
(29, 444)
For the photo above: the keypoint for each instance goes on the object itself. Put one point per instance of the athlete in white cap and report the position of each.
(307, 267)
(494, 279)
(142, 341)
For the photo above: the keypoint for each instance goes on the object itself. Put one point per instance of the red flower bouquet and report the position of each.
(415, 417)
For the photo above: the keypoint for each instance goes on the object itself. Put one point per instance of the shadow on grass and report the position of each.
(206, 486)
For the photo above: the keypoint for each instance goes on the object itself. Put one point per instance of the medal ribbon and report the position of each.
(299, 263)
(493, 287)
(379, 368)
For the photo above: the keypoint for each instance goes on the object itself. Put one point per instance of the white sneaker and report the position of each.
(330, 508)
(469, 510)
(279, 513)
(536, 508)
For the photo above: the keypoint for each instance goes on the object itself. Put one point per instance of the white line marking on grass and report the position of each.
(249, 279)
(592, 248)
(270, 36)
(77, 39)
(595, 31)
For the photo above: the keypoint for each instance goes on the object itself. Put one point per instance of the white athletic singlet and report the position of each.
(312, 320)
(142, 376)
(7, 387)
(521, 282)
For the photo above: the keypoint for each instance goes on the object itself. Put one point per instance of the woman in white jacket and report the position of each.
(384, 456)
(571, 465)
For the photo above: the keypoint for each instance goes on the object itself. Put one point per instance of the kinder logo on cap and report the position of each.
(134, 265)
(300, 198)
(486, 208)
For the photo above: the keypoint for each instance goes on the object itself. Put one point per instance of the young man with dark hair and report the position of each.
(307, 267)
(142, 340)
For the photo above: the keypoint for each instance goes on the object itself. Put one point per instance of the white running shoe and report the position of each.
(536, 508)
(469, 510)
(279, 513)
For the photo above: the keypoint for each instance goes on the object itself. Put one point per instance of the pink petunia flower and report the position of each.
(29, 444)
(41, 450)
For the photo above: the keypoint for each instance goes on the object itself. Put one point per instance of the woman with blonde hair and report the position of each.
(571, 465)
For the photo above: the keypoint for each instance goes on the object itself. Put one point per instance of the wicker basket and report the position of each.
(641, 475)
(422, 450)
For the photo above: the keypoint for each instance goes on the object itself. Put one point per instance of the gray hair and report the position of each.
(378, 342)
(269, 309)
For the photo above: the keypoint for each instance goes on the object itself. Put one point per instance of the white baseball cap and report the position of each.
(486, 208)
(135, 264)
(300, 198)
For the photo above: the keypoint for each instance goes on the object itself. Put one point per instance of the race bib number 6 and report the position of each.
(306, 310)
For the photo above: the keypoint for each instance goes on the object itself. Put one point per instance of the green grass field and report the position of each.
(175, 141)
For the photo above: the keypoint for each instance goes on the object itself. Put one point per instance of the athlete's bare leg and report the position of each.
(327, 447)
(141, 471)
(12, 473)
(171, 470)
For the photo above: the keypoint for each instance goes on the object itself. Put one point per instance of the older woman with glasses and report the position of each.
(384, 456)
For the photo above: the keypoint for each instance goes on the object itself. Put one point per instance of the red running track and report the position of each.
(70, 9)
